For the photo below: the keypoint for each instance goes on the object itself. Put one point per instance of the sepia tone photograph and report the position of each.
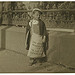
(37, 37)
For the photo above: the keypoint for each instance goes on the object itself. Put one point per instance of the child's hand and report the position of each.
(26, 47)
(43, 40)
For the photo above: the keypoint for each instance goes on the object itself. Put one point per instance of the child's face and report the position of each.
(36, 15)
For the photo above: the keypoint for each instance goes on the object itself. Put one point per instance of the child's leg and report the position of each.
(41, 60)
(32, 61)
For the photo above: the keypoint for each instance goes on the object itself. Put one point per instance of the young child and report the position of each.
(35, 37)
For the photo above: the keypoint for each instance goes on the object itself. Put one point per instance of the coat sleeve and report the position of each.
(27, 41)
(45, 36)
(44, 31)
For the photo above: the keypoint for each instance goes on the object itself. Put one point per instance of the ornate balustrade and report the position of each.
(53, 18)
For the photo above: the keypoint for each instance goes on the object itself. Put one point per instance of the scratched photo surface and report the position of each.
(37, 37)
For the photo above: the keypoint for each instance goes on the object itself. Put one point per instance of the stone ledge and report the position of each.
(12, 38)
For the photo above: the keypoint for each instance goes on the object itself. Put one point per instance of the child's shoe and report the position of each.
(32, 62)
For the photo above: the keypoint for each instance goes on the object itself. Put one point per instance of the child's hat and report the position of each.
(37, 9)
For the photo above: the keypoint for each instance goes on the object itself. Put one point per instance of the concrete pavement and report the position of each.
(12, 61)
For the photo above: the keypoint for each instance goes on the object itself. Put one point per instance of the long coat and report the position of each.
(43, 32)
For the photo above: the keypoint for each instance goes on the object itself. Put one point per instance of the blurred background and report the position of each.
(55, 14)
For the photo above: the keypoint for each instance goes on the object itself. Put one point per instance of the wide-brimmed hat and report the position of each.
(36, 9)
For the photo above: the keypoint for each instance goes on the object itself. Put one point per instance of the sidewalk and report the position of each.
(11, 61)
(14, 58)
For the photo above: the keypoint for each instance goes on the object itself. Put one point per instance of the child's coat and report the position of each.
(36, 31)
